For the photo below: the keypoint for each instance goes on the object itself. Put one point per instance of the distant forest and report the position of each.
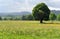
(24, 15)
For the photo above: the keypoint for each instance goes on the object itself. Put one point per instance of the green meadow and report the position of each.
(29, 30)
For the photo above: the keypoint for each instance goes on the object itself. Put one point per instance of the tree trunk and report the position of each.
(41, 21)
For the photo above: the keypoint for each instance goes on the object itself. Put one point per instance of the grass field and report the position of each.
(29, 30)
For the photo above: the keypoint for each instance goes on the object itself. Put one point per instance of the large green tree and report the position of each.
(41, 12)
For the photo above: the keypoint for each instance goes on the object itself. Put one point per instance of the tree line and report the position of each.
(52, 17)
(23, 17)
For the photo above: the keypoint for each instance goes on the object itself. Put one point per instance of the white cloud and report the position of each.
(55, 1)
(26, 5)
(52, 8)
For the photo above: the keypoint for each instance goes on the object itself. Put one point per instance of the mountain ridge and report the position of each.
(16, 13)
(25, 13)
(56, 11)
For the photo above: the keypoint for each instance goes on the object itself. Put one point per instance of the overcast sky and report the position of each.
(26, 5)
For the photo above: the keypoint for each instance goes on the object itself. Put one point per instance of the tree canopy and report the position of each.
(41, 12)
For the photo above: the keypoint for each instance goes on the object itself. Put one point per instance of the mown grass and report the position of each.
(29, 30)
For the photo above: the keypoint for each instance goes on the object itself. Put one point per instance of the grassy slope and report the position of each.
(29, 30)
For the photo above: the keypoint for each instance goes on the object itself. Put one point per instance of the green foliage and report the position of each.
(52, 16)
(41, 12)
(58, 17)
(24, 17)
(17, 18)
(5, 19)
(11, 18)
(0, 18)
(27, 17)
(30, 17)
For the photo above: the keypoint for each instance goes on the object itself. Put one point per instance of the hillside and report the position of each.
(16, 13)
(56, 11)
(25, 13)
